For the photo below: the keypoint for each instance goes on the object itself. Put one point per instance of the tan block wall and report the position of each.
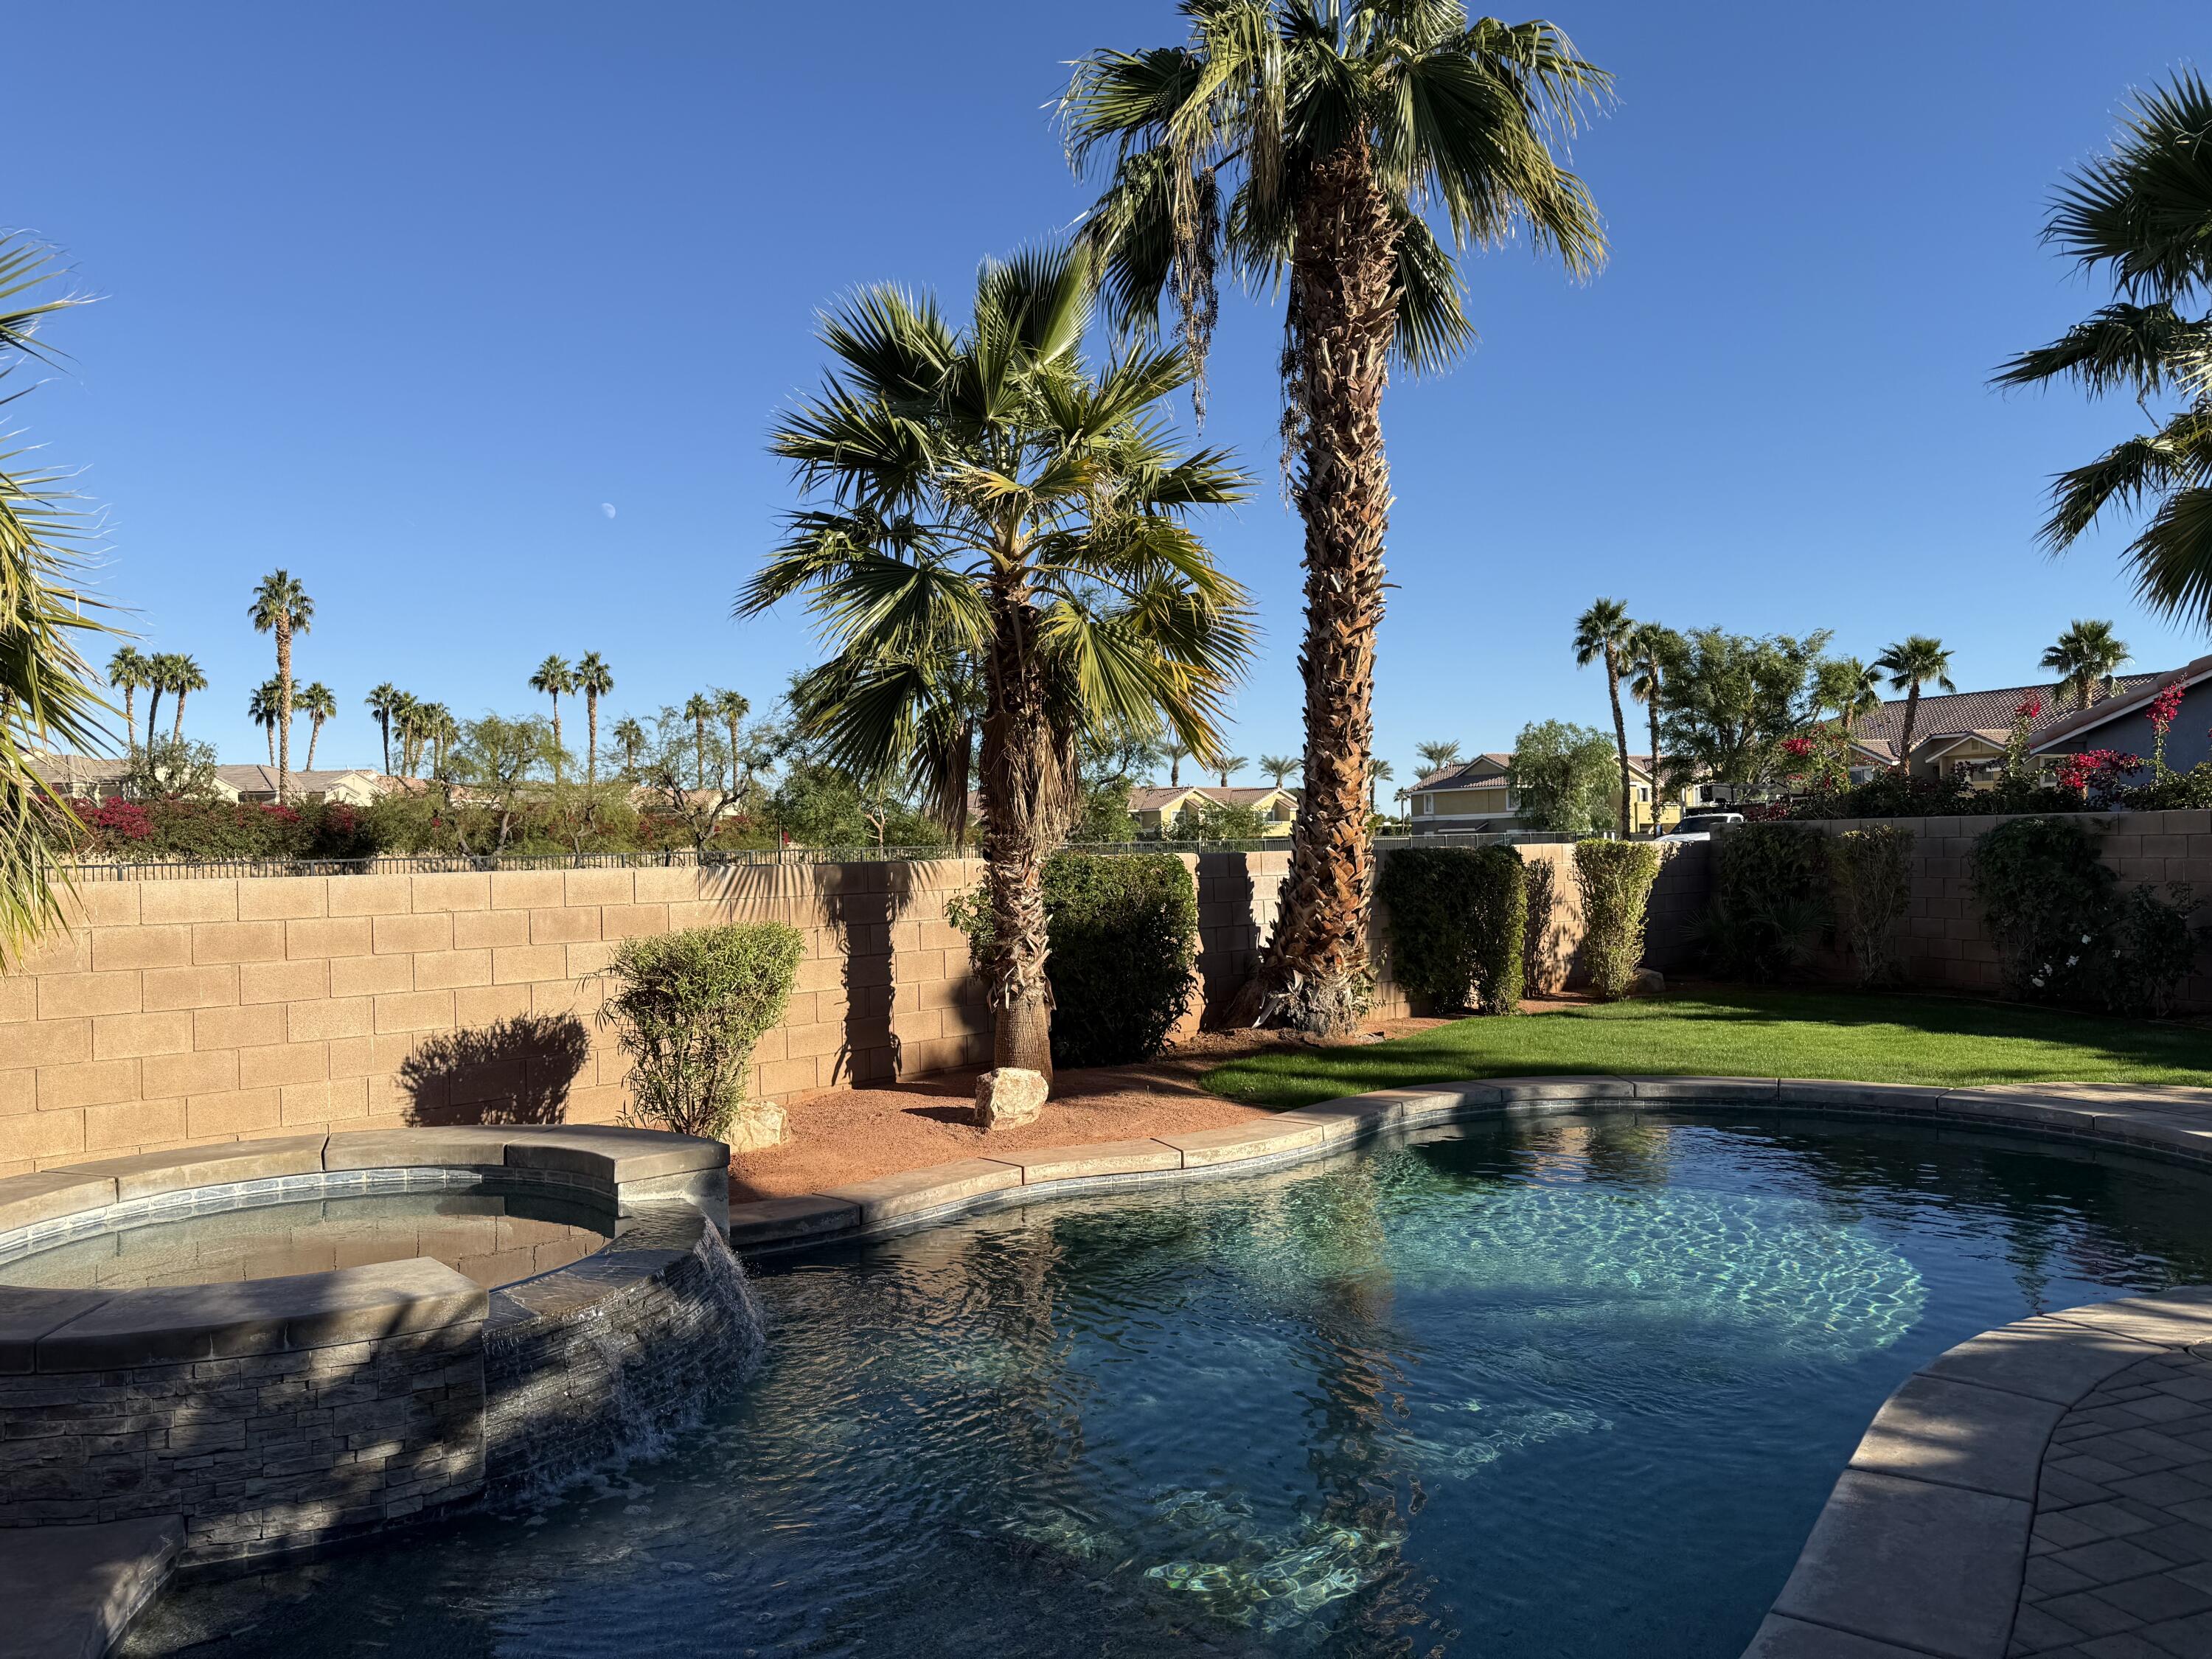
(179, 1012)
(1944, 945)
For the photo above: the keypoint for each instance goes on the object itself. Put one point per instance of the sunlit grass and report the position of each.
(1866, 1038)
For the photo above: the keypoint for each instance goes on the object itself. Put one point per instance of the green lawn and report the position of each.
(1743, 1033)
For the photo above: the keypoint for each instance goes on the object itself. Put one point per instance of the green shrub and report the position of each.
(1458, 918)
(2047, 902)
(2154, 949)
(1771, 901)
(688, 1008)
(1123, 933)
(1615, 878)
(1873, 870)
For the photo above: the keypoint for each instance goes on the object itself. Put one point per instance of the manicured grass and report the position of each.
(1865, 1038)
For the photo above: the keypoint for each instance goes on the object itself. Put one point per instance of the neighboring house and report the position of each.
(1473, 798)
(355, 786)
(1962, 733)
(82, 777)
(2122, 722)
(1156, 808)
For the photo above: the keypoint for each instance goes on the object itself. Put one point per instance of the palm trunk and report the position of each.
(153, 714)
(1656, 770)
(270, 731)
(556, 745)
(1619, 732)
(1912, 718)
(1026, 774)
(591, 738)
(177, 729)
(733, 760)
(314, 737)
(131, 718)
(283, 713)
(384, 721)
(1343, 306)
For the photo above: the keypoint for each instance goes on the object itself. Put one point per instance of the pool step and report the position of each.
(69, 1592)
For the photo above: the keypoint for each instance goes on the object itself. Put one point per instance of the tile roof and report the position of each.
(2128, 702)
(1152, 798)
(1954, 714)
(243, 778)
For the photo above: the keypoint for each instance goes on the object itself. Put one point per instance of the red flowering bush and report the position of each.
(2030, 710)
(2098, 775)
(1797, 748)
(118, 820)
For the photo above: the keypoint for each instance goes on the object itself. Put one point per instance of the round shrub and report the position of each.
(1458, 915)
(1122, 930)
(1615, 878)
(688, 1008)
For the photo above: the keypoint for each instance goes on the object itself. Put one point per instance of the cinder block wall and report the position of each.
(1943, 943)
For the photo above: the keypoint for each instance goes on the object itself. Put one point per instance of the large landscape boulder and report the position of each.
(1010, 1096)
(757, 1125)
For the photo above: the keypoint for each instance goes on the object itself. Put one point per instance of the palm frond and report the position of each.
(2138, 350)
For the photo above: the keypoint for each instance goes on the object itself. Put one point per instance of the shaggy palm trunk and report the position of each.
(283, 713)
(1619, 732)
(1344, 302)
(590, 739)
(1904, 742)
(1025, 790)
(131, 718)
(556, 736)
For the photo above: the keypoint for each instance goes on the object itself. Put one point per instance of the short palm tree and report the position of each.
(594, 679)
(318, 703)
(49, 694)
(281, 606)
(2144, 213)
(1653, 651)
(1304, 144)
(732, 709)
(983, 505)
(1604, 633)
(553, 677)
(264, 707)
(699, 709)
(382, 703)
(2085, 657)
(1379, 772)
(1851, 687)
(1279, 767)
(1911, 663)
(185, 679)
(1435, 757)
(629, 737)
(130, 670)
(1178, 752)
(1226, 766)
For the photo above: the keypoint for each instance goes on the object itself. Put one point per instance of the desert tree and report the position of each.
(282, 608)
(594, 679)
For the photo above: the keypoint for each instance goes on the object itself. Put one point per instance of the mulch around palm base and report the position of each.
(844, 1135)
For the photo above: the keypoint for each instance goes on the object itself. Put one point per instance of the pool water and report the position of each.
(1571, 1386)
(494, 1236)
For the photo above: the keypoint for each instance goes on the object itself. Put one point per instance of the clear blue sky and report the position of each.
(398, 296)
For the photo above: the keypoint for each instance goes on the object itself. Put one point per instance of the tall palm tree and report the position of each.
(160, 672)
(981, 499)
(382, 703)
(2143, 213)
(407, 720)
(1435, 757)
(699, 708)
(318, 703)
(1653, 649)
(185, 679)
(553, 677)
(130, 670)
(732, 708)
(1911, 663)
(1225, 767)
(2085, 657)
(629, 737)
(1604, 633)
(49, 694)
(281, 606)
(594, 679)
(440, 732)
(1279, 767)
(1379, 772)
(263, 707)
(1303, 144)
(1851, 688)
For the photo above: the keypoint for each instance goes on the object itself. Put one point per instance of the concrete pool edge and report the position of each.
(2167, 1129)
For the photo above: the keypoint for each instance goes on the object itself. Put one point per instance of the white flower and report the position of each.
(2070, 961)
(2085, 939)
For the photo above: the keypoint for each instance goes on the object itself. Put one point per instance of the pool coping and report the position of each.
(1921, 1550)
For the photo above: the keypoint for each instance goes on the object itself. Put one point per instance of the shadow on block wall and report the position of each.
(516, 1071)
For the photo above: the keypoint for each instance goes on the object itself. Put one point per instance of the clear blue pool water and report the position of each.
(1569, 1388)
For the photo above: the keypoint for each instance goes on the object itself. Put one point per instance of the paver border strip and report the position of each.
(1921, 1550)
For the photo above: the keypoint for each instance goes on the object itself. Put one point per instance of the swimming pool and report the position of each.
(1576, 1385)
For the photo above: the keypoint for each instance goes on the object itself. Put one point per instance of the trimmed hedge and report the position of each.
(1123, 932)
(1772, 900)
(688, 1008)
(1458, 916)
(1615, 878)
